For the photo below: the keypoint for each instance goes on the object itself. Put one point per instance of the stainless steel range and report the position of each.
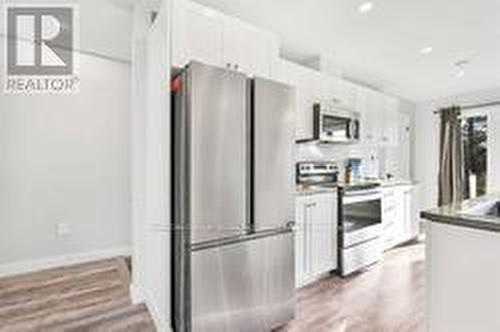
(360, 227)
(360, 215)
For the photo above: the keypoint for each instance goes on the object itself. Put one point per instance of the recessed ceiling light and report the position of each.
(365, 7)
(426, 50)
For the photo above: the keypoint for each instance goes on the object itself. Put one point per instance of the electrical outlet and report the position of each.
(63, 229)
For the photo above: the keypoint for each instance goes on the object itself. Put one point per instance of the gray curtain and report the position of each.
(450, 157)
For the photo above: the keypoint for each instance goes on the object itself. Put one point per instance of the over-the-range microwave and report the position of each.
(335, 125)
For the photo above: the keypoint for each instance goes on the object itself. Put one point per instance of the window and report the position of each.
(475, 143)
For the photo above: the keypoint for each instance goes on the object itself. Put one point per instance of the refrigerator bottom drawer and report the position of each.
(244, 287)
(361, 256)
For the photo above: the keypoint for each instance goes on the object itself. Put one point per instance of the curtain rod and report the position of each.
(469, 107)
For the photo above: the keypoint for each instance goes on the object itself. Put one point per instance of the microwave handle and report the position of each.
(354, 129)
(350, 129)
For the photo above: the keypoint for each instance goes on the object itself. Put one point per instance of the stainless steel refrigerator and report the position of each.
(233, 201)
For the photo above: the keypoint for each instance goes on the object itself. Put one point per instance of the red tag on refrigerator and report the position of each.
(175, 84)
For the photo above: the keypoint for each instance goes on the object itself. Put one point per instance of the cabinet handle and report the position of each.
(236, 67)
(228, 65)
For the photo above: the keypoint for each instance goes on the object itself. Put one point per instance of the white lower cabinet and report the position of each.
(399, 215)
(315, 236)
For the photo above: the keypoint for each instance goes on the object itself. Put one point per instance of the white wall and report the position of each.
(104, 26)
(151, 163)
(426, 152)
(66, 158)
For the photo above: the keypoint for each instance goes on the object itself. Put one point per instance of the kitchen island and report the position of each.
(463, 266)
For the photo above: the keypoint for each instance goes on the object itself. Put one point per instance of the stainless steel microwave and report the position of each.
(334, 125)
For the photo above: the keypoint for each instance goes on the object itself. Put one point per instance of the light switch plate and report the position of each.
(63, 229)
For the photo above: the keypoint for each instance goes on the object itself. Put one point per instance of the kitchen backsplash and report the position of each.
(376, 161)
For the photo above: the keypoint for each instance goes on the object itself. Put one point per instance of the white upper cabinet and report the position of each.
(382, 120)
(305, 82)
(392, 122)
(203, 34)
(370, 105)
(345, 94)
(405, 136)
(334, 92)
(197, 34)
(247, 48)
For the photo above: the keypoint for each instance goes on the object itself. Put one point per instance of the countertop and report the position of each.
(398, 183)
(464, 214)
(311, 190)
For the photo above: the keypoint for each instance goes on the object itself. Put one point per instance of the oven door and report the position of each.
(361, 217)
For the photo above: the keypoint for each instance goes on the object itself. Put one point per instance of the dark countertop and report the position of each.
(470, 213)
(311, 190)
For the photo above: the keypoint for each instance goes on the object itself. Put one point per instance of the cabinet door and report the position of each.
(405, 136)
(389, 218)
(246, 48)
(373, 115)
(197, 34)
(345, 94)
(411, 214)
(303, 80)
(307, 95)
(405, 216)
(323, 233)
(301, 215)
(400, 226)
(392, 122)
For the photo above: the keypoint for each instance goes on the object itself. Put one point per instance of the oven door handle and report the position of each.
(362, 197)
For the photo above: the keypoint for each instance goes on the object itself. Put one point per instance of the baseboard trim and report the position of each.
(136, 294)
(11, 269)
(160, 324)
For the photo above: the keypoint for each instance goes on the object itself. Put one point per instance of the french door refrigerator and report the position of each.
(233, 202)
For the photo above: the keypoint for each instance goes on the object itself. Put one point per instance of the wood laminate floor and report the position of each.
(91, 297)
(389, 297)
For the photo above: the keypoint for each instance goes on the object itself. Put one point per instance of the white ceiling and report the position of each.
(382, 47)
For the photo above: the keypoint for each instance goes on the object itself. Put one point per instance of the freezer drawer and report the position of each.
(244, 287)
